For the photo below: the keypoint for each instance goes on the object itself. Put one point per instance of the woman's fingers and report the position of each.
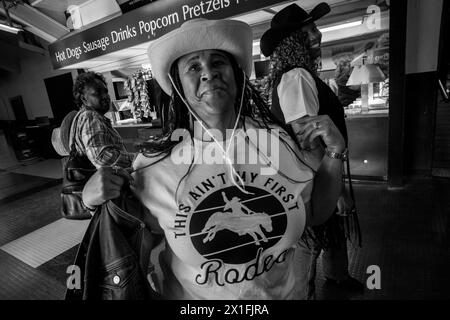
(305, 139)
(321, 126)
(123, 173)
(303, 129)
(104, 185)
(116, 180)
(112, 194)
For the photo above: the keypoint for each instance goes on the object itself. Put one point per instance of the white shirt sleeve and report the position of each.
(298, 95)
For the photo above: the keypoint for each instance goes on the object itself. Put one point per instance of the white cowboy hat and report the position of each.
(234, 37)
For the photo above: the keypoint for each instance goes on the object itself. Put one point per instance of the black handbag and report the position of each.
(77, 169)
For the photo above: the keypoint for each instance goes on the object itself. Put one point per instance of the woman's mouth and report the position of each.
(212, 90)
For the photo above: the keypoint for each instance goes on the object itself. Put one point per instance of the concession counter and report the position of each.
(134, 134)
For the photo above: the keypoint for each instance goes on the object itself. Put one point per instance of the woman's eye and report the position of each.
(218, 63)
(194, 67)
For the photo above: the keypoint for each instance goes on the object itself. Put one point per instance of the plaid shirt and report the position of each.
(99, 141)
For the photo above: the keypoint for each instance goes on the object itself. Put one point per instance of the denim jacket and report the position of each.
(114, 255)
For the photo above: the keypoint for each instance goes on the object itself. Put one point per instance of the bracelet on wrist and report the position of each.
(337, 155)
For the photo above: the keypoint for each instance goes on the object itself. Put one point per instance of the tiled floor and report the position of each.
(49, 168)
(405, 233)
(14, 186)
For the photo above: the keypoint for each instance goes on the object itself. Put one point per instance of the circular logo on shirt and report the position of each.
(232, 226)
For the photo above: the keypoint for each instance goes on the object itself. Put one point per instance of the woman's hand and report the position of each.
(105, 184)
(320, 126)
(328, 178)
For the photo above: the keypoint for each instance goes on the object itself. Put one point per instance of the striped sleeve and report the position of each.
(103, 145)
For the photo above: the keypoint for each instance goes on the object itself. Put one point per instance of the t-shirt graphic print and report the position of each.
(223, 243)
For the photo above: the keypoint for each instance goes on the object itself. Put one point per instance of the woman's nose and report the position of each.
(318, 35)
(209, 73)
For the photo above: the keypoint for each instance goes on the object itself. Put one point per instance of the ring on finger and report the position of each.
(116, 169)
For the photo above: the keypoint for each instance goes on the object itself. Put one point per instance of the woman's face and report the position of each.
(208, 81)
(314, 38)
(96, 96)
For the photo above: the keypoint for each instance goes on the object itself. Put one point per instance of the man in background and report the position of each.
(91, 132)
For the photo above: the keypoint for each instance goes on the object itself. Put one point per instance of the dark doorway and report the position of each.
(59, 90)
(19, 109)
(441, 152)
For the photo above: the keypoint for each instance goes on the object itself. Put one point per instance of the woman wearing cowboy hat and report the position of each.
(293, 44)
(214, 118)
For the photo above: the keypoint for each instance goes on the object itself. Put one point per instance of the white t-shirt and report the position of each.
(298, 95)
(220, 242)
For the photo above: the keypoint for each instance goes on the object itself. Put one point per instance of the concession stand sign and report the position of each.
(143, 25)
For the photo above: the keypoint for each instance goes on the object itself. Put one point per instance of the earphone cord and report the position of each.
(233, 173)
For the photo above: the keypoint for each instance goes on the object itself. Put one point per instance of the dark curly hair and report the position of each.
(83, 80)
(294, 51)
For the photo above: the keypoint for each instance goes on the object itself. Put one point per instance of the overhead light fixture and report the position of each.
(365, 75)
(9, 26)
(6, 28)
(341, 26)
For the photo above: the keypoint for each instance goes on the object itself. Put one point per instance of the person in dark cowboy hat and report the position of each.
(293, 44)
(288, 20)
